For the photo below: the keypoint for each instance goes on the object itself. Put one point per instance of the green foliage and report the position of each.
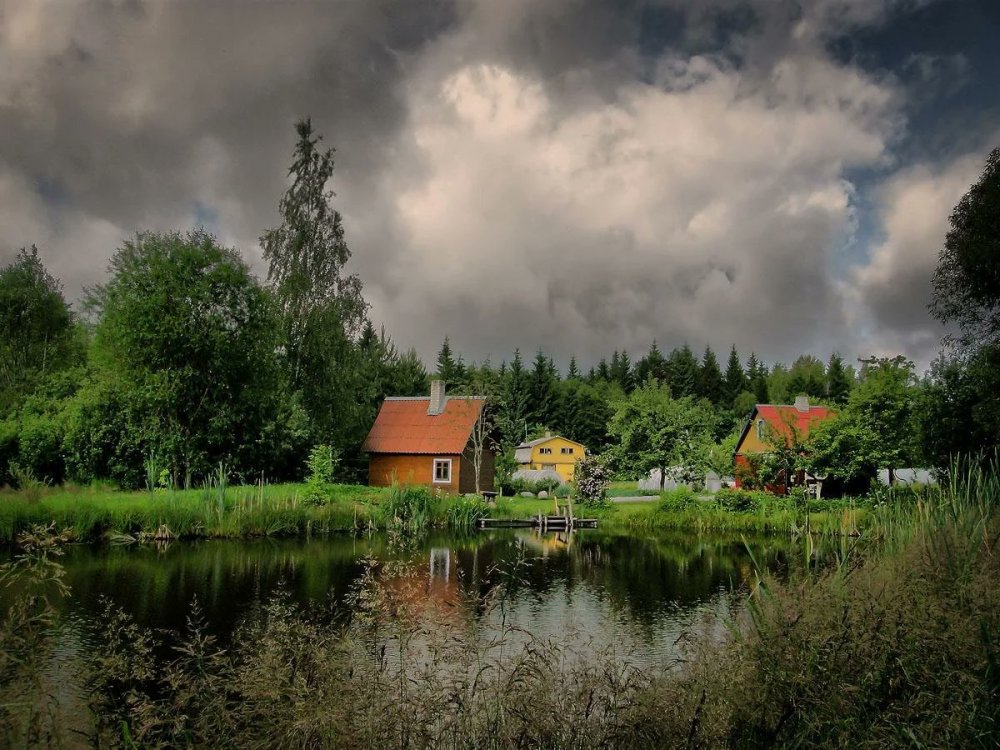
(878, 428)
(735, 381)
(320, 307)
(465, 512)
(719, 456)
(749, 501)
(322, 465)
(757, 379)
(678, 499)
(408, 508)
(655, 431)
(592, 478)
(37, 331)
(683, 371)
(710, 383)
(838, 380)
(967, 277)
(188, 338)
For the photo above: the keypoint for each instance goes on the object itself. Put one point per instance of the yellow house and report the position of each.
(550, 452)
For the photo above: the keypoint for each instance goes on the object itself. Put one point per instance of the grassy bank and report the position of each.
(837, 518)
(96, 513)
(896, 645)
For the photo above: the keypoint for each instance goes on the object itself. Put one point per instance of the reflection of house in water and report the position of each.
(440, 564)
(547, 543)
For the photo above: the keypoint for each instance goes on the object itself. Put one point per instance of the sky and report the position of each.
(576, 175)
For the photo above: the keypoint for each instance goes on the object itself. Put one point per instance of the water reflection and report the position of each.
(640, 591)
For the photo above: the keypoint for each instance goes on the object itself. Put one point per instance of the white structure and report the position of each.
(712, 482)
(907, 476)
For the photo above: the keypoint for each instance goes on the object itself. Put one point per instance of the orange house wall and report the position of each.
(411, 469)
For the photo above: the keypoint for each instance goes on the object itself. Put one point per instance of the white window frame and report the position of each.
(434, 467)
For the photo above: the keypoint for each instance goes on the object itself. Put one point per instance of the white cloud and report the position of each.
(891, 290)
(688, 208)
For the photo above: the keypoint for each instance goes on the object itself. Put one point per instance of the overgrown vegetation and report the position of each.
(896, 643)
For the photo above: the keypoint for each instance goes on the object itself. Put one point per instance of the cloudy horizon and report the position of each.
(576, 175)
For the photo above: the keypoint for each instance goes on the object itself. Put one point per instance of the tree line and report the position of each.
(183, 362)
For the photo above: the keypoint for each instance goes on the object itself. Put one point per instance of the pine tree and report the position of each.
(736, 379)
(603, 371)
(838, 384)
(710, 377)
(621, 370)
(512, 409)
(683, 369)
(757, 377)
(541, 392)
(447, 367)
(573, 373)
(652, 365)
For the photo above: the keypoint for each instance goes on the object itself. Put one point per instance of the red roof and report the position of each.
(780, 417)
(404, 426)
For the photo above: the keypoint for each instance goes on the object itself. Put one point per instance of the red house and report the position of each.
(768, 420)
(430, 441)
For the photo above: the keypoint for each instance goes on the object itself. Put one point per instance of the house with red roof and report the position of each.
(431, 440)
(769, 421)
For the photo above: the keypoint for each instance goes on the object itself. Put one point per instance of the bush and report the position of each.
(322, 464)
(748, 501)
(681, 498)
(592, 479)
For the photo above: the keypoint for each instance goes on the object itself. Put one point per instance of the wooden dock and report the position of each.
(562, 520)
(542, 522)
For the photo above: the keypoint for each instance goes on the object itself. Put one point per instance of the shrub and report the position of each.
(592, 479)
(681, 498)
(322, 464)
(746, 501)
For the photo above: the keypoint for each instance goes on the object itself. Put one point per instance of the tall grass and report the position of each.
(897, 645)
(215, 510)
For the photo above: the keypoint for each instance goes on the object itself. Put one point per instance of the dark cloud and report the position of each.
(575, 174)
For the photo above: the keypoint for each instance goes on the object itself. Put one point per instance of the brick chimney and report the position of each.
(438, 398)
(802, 403)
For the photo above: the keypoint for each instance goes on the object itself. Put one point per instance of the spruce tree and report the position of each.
(683, 369)
(710, 384)
(512, 409)
(736, 379)
(808, 377)
(447, 366)
(541, 392)
(838, 385)
(757, 376)
(573, 373)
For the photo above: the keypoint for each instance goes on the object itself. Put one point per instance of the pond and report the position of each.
(637, 594)
(640, 591)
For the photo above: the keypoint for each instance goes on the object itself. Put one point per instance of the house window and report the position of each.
(566, 451)
(545, 451)
(760, 429)
(442, 471)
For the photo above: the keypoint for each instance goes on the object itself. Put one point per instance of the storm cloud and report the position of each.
(571, 174)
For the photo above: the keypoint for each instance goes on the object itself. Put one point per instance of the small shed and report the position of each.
(432, 441)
